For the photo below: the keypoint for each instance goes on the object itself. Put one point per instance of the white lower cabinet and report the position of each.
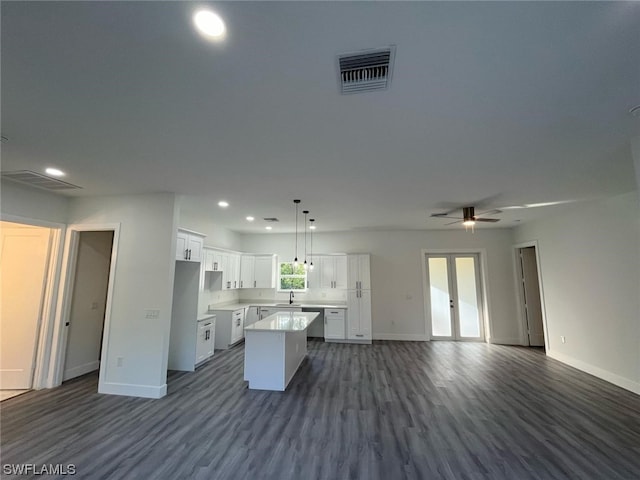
(359, 315)
(251, 315)
(205, 339)
(334, 324)
(229, 327)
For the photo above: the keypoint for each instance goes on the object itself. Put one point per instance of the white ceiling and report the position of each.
(491, 104)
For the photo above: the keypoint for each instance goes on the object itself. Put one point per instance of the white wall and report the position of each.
(29, 202)
(144, 275)
(590, 267)
(201, 220)
(396, 273)
(88, 303)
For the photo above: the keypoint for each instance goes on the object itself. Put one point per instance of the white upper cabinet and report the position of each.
(257, 271)
(189, 246)
(359, 272)
(247, 271)
(265, 271)
(333, 271)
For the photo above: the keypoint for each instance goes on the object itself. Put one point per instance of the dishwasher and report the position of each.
(317, 327)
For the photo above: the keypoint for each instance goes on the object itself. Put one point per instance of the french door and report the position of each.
(455, 305)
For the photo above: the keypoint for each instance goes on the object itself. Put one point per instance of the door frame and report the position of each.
(524, 337)
(67, 280)
(46, 323)
(483, 290)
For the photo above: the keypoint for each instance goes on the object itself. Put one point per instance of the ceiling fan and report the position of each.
(469, 218)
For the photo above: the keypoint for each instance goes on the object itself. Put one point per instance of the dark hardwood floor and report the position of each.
(386, 411)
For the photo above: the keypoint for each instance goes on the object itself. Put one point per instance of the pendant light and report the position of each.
(295, 260)
(311, 228)
(306, 266)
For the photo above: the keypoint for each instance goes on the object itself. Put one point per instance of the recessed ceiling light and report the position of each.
(209, 24)
(312, 227)
(250, 219)
(268, 227)
(55, 172)
(223, 204)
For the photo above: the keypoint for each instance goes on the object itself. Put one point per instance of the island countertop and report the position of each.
(284, 322)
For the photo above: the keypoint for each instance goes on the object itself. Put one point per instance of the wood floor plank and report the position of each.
(390, 410)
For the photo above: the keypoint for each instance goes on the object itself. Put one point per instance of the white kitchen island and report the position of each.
(274, 348)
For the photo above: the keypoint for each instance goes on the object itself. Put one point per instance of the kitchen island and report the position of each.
(274, 348)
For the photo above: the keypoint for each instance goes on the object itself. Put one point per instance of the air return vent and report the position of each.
(38, 180)
(366, 70)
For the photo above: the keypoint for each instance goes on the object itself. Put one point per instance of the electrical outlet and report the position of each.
(563, 339)
(119, 361)
(94, 306)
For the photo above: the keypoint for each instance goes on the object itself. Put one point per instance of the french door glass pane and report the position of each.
(469, 316)
(439, 289)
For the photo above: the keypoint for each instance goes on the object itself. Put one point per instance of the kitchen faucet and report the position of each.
(290, 297)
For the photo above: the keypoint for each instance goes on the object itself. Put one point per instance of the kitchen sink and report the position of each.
(288, 304)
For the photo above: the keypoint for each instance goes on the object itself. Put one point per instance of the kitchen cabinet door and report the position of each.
(247, 271)
(251, 315)
(205, 340)
(189, 246)
(359, 272)
(237, 325)
(265, 271)
(340, 272)
(334, 324)
(333, 271)
(359, 315)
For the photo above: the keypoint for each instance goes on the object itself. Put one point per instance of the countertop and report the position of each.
(236, 306)
(284, 322)
(205, 316)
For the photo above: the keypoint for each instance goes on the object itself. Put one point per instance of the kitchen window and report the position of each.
(291, 277)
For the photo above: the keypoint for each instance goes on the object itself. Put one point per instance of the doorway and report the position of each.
(25, 254)
(88, 303)
(530, 297)
(454, 297)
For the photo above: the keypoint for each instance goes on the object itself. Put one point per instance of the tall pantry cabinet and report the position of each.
(359, 298)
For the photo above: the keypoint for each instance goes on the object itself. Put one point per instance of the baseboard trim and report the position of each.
(406, 337)
(597, 372)
(132, 390)
(80, 370)
(506, 341)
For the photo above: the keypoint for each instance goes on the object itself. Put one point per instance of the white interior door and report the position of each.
(455, 305)
(24, 256)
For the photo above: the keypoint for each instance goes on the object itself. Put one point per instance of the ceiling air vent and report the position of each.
(271, 219)
(38, 180)
(366, 70)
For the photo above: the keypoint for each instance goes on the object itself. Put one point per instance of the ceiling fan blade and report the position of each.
(451, 223)
(490, 220)
(444, 215)
(490, 212)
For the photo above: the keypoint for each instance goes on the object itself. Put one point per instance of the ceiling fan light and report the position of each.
(469, 222)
